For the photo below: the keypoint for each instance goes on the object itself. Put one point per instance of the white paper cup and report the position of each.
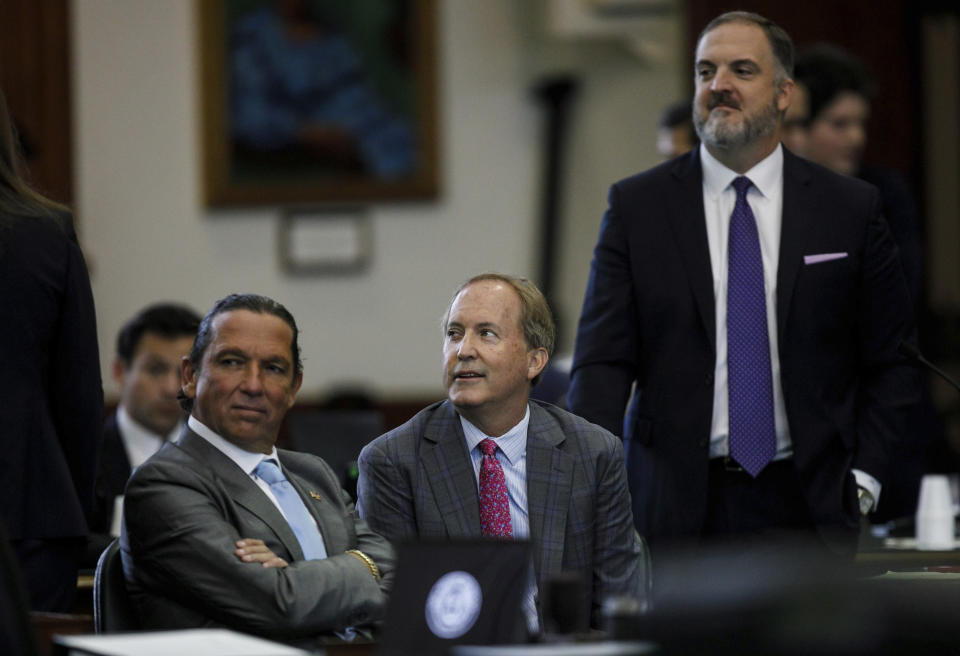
(935, 524)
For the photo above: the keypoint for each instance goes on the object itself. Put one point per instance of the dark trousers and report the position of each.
(757, 534)
(49, 569)
(741, 505)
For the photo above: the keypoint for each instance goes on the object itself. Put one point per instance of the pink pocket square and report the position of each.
(822, 257)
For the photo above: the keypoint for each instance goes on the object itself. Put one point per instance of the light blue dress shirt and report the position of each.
(512, 456)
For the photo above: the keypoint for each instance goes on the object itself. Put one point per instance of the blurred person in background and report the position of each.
(676, 134)
(832, 119)
(50, 384)
(150, 347)
(835, 111)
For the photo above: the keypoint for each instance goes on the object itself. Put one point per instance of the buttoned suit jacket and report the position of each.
(417, 481)
(186, 507)
(649, 318)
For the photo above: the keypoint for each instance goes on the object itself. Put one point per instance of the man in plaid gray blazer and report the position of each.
(564, 477)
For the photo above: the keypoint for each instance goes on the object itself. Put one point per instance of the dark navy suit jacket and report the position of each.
(648, 318)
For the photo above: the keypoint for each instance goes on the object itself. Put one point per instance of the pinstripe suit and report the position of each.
(418, 481)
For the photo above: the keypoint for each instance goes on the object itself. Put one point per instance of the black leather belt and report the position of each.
(727, 464)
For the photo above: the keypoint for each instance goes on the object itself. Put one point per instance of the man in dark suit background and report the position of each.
(150, 347)
(756, 302)
(223, 529)
(549, 476)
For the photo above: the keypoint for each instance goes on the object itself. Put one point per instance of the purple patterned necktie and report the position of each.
(753, 440)
(494, 507)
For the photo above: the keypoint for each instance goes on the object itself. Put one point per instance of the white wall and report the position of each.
(148, 237)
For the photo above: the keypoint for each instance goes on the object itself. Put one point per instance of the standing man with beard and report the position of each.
(755, 304)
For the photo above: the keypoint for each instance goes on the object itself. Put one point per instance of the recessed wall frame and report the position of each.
(334, 240)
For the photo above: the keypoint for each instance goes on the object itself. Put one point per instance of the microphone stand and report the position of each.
(914, 354)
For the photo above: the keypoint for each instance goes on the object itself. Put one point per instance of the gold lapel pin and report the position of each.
(314, 495)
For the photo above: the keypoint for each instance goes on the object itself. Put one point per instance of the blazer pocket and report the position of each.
(823, 257)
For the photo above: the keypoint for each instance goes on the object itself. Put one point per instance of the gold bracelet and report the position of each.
(368, 561)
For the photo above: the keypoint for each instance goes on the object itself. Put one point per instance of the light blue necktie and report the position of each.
(298, 517)
(753, 438)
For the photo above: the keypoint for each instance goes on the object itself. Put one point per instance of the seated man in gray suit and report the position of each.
(223, 529)
(490, 461)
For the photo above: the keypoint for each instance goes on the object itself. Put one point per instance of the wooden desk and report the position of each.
(879, 561)
(46, 625)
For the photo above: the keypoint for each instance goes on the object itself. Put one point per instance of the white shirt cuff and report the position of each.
(869, 483)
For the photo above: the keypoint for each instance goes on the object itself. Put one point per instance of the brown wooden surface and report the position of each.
(47, 625)
(35, 77)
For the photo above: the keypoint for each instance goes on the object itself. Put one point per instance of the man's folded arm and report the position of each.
(182, 547)
(373, 545)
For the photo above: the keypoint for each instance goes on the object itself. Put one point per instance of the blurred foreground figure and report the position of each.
(50, 385)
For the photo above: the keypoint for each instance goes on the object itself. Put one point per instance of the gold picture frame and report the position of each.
(318, 101)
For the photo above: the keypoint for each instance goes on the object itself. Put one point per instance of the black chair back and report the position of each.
(337, 436)
(112, 610)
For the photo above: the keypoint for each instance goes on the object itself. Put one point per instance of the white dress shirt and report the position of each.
(140, 443)
(765, 198)
(245, 460)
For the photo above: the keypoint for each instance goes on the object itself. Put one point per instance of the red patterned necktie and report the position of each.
(494, 508)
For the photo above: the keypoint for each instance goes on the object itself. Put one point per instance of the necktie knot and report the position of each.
(741, 185)
(488, 447)
(269, 471)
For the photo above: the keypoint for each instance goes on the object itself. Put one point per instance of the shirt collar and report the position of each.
(134, 431)
(766, 175)
(246, 460)
(513, 443)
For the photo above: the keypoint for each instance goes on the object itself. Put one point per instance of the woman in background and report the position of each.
(51, 399)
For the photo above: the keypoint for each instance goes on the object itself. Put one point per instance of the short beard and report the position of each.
(718, 133)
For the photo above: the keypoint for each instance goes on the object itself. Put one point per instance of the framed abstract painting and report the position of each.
(318, 101)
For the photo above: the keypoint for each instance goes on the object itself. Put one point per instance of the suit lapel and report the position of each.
(689, 223)
(323, 510)
(241, 488)
(549, 485)
(450, 473)
(796, 209)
